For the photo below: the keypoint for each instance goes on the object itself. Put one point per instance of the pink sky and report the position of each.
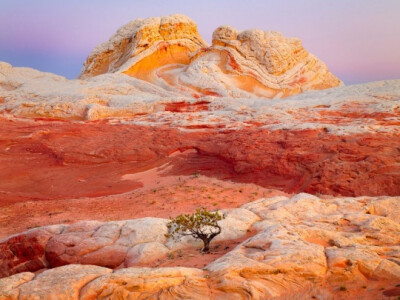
(358, 39)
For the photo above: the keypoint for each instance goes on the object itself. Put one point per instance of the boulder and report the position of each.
(145, 253)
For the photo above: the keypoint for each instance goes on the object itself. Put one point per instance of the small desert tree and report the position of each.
(202, 225)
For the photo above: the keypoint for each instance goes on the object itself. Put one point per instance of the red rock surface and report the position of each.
(47, 159)
(194, 126)
(53, 170)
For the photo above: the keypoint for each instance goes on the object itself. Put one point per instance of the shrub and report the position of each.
(202, 225)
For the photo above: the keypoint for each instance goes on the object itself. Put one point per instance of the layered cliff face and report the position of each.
(169, 52)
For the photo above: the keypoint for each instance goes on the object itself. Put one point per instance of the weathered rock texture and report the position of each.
(305, 244)
(168, 64)
(336, 141)
(28, 92)
(156, 96)
(255, 63)
(112, 244)
(142, 46)
(340, 141)
(169, 52)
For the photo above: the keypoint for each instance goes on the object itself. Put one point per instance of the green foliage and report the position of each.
(203, 225)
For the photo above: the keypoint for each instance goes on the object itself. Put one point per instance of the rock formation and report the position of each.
(304, 244)
(112, 244)
(255, 63)
(142, 46)
(340, 141)
(156, 103)
(169, 52)
(167, 61)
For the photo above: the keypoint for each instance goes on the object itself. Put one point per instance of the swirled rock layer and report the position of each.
(169, 52)
(141, 46)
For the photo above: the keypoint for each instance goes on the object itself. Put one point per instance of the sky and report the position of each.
(359, 40)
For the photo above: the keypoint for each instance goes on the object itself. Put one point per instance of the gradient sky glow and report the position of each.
(359, 40)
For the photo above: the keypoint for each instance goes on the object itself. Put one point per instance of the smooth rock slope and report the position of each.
(112, 244)
(305, 244)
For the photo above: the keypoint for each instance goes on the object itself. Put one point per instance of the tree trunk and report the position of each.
(206, 248)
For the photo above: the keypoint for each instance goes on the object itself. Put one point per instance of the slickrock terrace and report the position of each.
(304, 244)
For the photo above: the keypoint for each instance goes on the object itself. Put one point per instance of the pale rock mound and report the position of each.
(256, 63)
(169, 52)
(359, 108)
(30, 93)
(112, 244)
(141, 46)
(305, 245)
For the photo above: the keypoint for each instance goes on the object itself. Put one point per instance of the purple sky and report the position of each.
(358, 39)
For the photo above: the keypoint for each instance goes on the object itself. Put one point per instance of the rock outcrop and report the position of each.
(116, 244)
(255, 63)
(30, 93)
(142, 46)
(340, 141)
(169, 52)
(304, 244)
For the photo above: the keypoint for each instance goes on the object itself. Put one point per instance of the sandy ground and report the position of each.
(368, 290)
(162, 197)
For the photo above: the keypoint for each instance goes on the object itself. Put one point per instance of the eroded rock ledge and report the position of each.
(315, 160)
(116, 244)
(304, 244)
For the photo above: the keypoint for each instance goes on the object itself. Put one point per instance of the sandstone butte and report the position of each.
(306, 170)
